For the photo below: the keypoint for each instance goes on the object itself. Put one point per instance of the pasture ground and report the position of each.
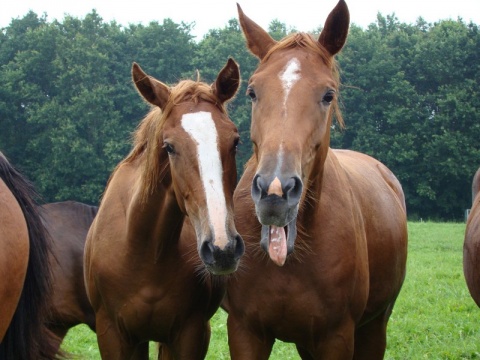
(434, 317)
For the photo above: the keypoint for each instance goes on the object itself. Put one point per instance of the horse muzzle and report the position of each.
(222, 261)
(276, 205)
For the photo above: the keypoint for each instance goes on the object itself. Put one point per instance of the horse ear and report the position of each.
(152, 90)
(258, 40)
(335, 31)
(228, 81)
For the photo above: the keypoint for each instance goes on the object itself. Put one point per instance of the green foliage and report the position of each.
(410, 97)
(69, 105)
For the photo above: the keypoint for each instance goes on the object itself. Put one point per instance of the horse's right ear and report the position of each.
(258, 40)
(152, 90)
(228, 81)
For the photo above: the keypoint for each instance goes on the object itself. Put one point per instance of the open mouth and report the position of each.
(278, 241)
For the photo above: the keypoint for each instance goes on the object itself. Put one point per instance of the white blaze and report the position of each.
(202, 130)
(289, 76)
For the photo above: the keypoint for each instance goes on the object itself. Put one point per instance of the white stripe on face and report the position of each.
(202, 130)
(289, 76)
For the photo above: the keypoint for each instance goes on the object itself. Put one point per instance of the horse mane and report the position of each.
(27, 336)
(308, 42)
(147, 138)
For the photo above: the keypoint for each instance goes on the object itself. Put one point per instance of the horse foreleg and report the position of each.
(304, 354)
(113, 344)
(191, 343)
(245, 345)
(371, 338)
(141, 352)
(336, 344)
(164, 352)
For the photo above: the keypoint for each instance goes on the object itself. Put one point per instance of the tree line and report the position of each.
(410, 97)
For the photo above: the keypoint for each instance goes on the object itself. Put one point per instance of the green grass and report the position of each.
(434, 318)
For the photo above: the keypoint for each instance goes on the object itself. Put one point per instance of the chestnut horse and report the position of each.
(68, 223)
(25, 281)
(144, 281)
(471, 246)
(332, 223)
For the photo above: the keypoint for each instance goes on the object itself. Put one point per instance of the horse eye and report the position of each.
(168, 148)
(235, 144)
(328, 97)
(251, 94)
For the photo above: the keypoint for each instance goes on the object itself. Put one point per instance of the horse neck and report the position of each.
(155, 221)
(315, 182)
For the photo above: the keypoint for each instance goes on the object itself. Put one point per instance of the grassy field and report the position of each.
(434, 318)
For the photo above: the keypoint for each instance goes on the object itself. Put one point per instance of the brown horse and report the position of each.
(68, 223)
(25, 284)
(143, 280)
(471, 246)
(332, 223)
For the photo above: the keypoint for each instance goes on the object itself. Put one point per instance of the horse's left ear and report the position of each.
(335, 31)
(228, 81)
(152, 90)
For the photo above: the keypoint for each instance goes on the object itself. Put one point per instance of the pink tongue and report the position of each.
(277, 245)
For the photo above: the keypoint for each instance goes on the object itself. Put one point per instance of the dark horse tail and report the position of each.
(27, 338)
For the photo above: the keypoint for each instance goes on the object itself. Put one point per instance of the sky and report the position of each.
(304, 15)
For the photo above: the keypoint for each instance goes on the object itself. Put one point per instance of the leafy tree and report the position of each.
(23, 47)
(212, 53)
(410, 98)
(405, 103)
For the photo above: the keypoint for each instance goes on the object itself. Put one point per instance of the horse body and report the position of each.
(14, 255)
(145, 282)
(341, 277)
(68, 223)
(332, 223)
(25, 286)
(471, 246)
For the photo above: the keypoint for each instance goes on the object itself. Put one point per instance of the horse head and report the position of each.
(294, 95)
(199, 142)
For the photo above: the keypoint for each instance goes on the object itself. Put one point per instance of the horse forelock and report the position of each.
(309, 43)
(147, 138)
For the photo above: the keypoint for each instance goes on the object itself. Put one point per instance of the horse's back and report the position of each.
(14, 247)
(381, 201)
(68, 223)
(369, 176)
(471, 247)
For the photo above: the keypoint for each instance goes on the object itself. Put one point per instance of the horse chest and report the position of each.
(155, 312)
(290, 295)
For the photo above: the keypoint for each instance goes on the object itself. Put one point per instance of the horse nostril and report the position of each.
(259, 187)
(239, 247)
(206, 252)
(293, 190)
